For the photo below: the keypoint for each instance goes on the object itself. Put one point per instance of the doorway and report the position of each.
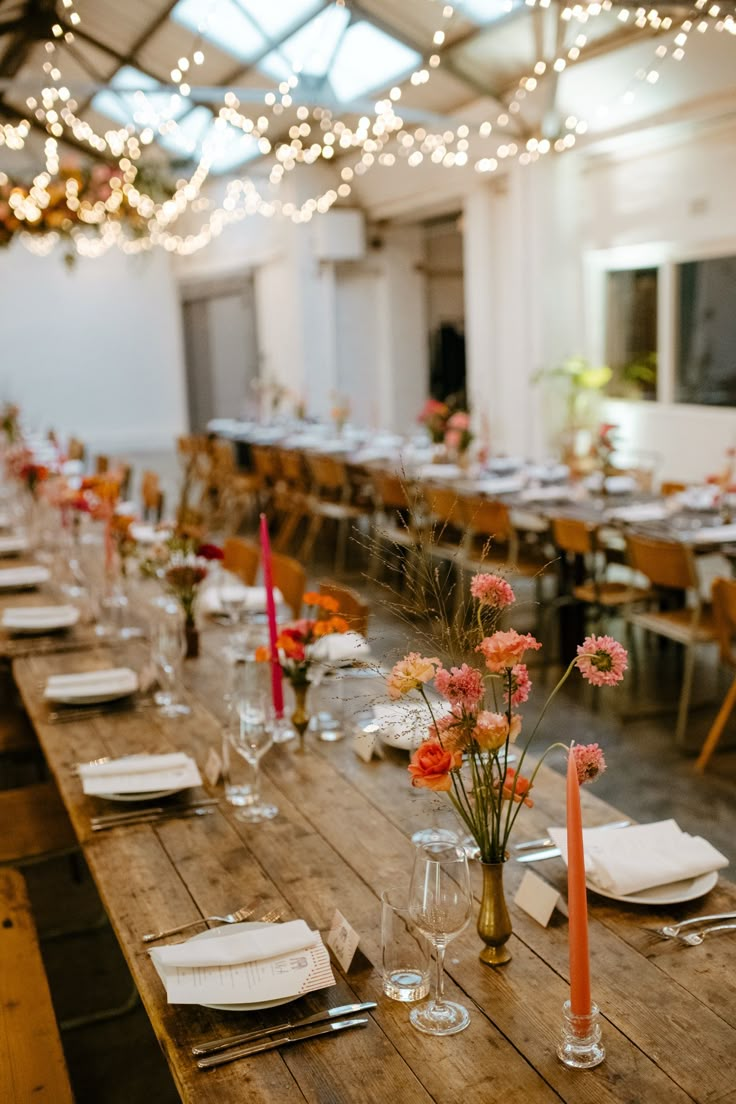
(220, 348)
(443, 269)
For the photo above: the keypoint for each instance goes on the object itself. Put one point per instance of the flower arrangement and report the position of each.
(10, 422)
(458, 437)
(295, 642)
(340, 412)
(433, 416)
(465, 753)
(447, 423)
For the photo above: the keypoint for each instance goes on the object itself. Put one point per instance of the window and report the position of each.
(705, 365)
(631, 332)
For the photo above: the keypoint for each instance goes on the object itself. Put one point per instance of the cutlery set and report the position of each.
(676, 932)
(229, 918)
(153, 814)
(90, 712)
(219, 1051)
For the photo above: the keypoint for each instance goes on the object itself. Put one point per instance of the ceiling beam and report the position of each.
(34, 25)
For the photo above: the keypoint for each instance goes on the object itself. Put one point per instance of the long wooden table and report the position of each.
(342, 837)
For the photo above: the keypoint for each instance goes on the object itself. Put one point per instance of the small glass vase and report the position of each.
(494, 923)
(192, 638)
(300, 716)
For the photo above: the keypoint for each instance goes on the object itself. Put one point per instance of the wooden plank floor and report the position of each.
(341, 837)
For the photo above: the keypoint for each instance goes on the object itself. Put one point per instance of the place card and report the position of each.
(366, 743)
(213, 767)
(539, 899)
(342, 940)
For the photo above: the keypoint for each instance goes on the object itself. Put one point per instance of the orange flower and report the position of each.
(292, 649)
(517, 788)
(330, 625)
(263, 654)
(321, 601)
(492, 730)
(431, 764)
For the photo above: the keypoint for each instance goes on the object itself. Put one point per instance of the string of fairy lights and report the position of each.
(382, 138)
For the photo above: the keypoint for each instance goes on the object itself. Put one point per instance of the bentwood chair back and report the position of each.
(671, 487)
(152, 496)
(670, 568)
(724, 616)
(291, 579)
(102, 464)
(352, 607)
(491, 540)
(331, 499)
(75, 449)
(242, 558)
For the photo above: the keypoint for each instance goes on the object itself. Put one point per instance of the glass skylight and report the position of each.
(223, 22)
(486, 11)
(369, 59)
(277, 17)
(142, 105)
(198, 132)
(311, 49)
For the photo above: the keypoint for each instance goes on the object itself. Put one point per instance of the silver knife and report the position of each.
(214, 1045)
(272, 1044)
(155, 810)
(149, 818)
(537, 856)
(545, 841)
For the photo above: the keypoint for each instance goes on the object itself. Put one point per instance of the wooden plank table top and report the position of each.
(341, 837)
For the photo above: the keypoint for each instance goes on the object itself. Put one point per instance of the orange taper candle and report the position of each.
(577, 899)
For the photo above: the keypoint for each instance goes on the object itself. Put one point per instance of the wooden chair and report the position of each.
(445, 520)
(242, 557)
(672, 487)
(331, 500)
(229, 494)
(75, 449)
(352, 607)
(724, 616)
(291, 579)
(152, 496)
(670, 568)
(578, 541)
(266, 467)
(102, 464)
(290, 496)
(32, 1065)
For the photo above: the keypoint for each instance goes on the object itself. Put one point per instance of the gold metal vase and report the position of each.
(300, 716)
(494, 923)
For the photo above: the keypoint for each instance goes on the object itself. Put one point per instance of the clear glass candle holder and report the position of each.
(580, 1046)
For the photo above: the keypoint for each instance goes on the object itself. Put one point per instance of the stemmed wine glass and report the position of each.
(251, 736)
(440, 904)
(168, 647)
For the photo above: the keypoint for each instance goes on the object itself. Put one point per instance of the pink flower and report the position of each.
(462, 686)
(492, 590)
(409, 674)
(521, 685)
(602, 660)
(453, 437)
(589, 761)
(492, 730)
(459, 420)
(506, 649)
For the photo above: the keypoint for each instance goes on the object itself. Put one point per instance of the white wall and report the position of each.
(94, 351)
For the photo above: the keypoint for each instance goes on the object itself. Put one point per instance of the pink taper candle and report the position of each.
(277, 689)
(577, 900)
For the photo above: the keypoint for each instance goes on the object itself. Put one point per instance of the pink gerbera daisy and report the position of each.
(492, 590)
(602, 660)
(589, 761)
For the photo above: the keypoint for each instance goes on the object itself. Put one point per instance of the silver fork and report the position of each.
(229, 918)
(672, 931)
(694, 939)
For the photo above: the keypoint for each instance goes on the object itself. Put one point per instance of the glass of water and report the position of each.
(405, 953)
(168, 647)
(251, 736)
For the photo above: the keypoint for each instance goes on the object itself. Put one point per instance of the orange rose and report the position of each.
(263, 654)
(321, 601)
(330, 625)
(516, 788)
(431, 764)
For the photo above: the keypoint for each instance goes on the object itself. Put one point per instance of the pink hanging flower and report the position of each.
(506, 649)
(521, 685)
(410, 673)
(492, 590)
(492, 730)
(589, 761)
(463, 686)
(602, 660)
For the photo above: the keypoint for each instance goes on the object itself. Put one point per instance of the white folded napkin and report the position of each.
(627, 860)
(141, 774)
(143, 533)
(639, 511)
(555, 493)
(29, 576)
(715, 534)
(620, 484)
(500, 484)
(252, 599)
(341, 648)
(91, 679)
(440, 471)
(40, 617)
(13, 545)
(244, 946)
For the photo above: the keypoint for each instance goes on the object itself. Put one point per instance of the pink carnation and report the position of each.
(492, 590)
(410, 673)
(449, 731)
(506, 649)
(459, 420)
(602, 660)
(453, 438)
(463, 686)
(492, 730)
(521, 685)
(589, 761)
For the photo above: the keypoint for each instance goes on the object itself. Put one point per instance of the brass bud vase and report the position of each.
(300, 717)
(191, 633)
(494, 923)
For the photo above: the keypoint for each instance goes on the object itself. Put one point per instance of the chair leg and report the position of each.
(716, 730)
(308, 544)
(341, 546)
(287, 530)
(687, 683)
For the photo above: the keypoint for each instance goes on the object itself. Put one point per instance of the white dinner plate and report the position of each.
(233, 929)
(142, 795)
(23, 578)
(92, 693)
(49, 620)
(674, 893)
(13, 546)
